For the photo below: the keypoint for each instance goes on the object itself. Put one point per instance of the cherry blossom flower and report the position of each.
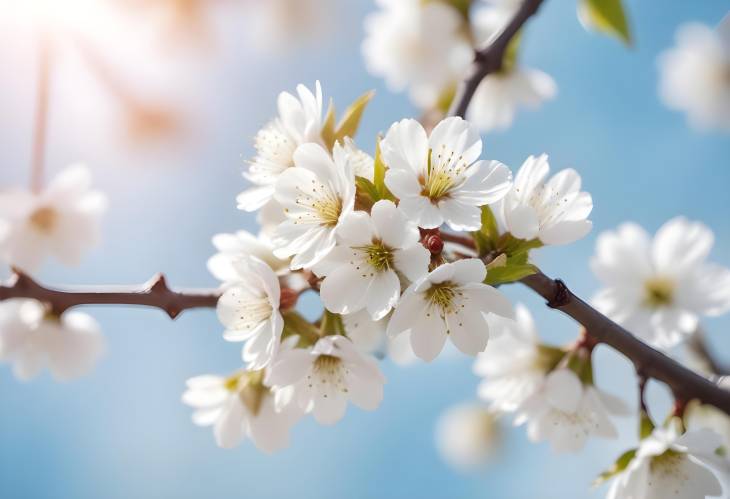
(440, 178)
(668, 464)
(299, 122)
(362, 271)
(658, 289)
(695, 75)
(231, 247)
(240, 406)
(31, 339)
(369, 336)
(514, 364)
(555, 211)
(451, 301)
(417, 45)
(325, 377)
(316, 196)
(466, 436)
(62, 221)
(566, 411)
(249, 309)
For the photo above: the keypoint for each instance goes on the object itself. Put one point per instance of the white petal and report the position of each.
(563, 390)
(412, 261)
(428, 334)
(383, 294)
(405, 146)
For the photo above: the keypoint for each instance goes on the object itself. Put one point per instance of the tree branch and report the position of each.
(154, 293)
(489, 59)
(684, 383)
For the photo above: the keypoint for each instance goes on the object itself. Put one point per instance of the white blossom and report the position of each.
(362, 272)
(451, 301)
(316, 196)
(417, 45)
(565, 411)
(62, 220)
(325, 377)
(555, 211)
(695, 75)
(658, 289)
(512, 365)
(231, 247)
(240, 406)
(466, 436)
(299, 122)
(249, 309)
(69, 346)
(280, 25)
(668, 464)
(370, 337)
(439, 178)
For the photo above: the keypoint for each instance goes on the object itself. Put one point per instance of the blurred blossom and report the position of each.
(695, 75)
(467, 435)
(63, 221)
(69, 346)
(153, 123)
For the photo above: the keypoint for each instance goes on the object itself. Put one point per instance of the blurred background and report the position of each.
(162, 99)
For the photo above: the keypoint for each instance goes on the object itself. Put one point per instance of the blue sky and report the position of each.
(123, 432)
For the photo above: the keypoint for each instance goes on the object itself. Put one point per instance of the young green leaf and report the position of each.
(351, 119)
(510, 272)
(328, 130)
(621, 464)
(607, 16)
(487, 236)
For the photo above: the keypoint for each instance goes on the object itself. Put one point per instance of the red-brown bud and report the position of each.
(288, 299)
(433, 243)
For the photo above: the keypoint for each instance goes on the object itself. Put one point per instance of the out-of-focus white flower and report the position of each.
(512, 364)
(362, 270)
(695, 75)
(697, 417)
(417, 45)
(240, 406)
(278, 25)
(668, 464)
(62, 220)
(658, 289)
(554, 211)
(249, 309)
(466, 436)
(369, 336)
(231, 247)
(324, 378)
(299, 122)
(499, 95)
(451, 301)
(30, 339)
(440, 178)
(566, 412)
(316, 196)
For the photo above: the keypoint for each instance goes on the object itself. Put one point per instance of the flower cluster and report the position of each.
(365, 232)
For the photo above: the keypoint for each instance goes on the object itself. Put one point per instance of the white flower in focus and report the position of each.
(249, 309)
(417, 45)
(240, 406)
(316, 196)
(369, 336)
(451, 301)
(30, 339)
(670, 465)
(566, 412)
(324, 378)
(62, 220)
(231, 247)
(299, 122)
(512, 364)
(658, 289)
(500, 94)
(362, 271)
(440, 178)
(466, 436)
(555, 211)
(695, 75)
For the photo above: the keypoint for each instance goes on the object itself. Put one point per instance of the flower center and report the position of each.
(44, 219)
(669, 466)
(443, 296)
(443, 172)
(658, 292)
(329, 209)
(253, 311)
(328, 373)
(250, 387)
(378, 255)
(323, 206)
(275, 152)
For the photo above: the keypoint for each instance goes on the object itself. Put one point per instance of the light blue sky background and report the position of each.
(123, 433)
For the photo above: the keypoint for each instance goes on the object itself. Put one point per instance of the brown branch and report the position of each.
(489, 60)
(684, 383)
(154, 293)
(40, 127)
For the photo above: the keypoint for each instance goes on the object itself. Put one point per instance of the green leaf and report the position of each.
(379, 171)
(621, 464)
(509, 244)
(328, 130)
(510, 272)
(606, 16)
(351, 119)
(487, 236)
(646, 425)
(331, 324)
(509, 60)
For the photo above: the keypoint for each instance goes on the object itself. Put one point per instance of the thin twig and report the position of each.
(489, 60)
(38, 152)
